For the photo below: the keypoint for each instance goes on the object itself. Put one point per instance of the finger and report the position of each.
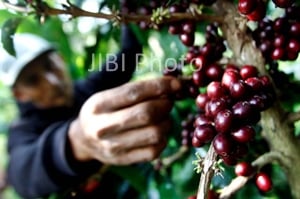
(135, 92)
(140, 115)
(138, 137)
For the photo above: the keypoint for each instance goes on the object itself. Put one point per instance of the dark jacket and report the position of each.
(41, 161)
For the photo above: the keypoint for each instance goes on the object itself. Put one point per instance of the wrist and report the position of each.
(78, 148)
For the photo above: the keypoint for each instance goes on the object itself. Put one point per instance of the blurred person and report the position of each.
(66, 130)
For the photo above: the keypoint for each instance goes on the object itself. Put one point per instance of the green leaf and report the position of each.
(8, 29)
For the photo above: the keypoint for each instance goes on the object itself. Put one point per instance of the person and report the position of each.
(67, 130)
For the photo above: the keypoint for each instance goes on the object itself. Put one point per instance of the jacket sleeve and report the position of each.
(41, 165)
(117, 68)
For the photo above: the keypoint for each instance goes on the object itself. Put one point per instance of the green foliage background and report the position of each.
(78, 46)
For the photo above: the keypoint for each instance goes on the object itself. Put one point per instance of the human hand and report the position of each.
(124, 125)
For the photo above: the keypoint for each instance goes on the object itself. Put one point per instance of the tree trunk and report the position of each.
(276, 128)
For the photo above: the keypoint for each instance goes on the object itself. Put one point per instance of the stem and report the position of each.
(168, 161)
(207, 173)
(266, 158)
(240, 181)
(75, 11)
(293, 117)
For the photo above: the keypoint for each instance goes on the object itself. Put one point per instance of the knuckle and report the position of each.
(103, 131)
(111, 149)
(133, 93)
(159, 87)
(144, 115)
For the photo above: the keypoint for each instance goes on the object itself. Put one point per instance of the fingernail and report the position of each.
(175, 84)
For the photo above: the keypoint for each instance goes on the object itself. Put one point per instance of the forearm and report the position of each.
(44, 164)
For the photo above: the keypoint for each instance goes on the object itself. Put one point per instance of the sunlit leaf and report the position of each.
(8, 29)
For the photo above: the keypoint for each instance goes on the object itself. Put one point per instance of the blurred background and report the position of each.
(84, 42)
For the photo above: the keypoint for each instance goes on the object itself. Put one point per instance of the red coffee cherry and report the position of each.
(243, 169)
(263, 182)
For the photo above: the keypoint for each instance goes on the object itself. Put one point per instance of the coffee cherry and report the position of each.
(175, 8)
(91, 186)
(246, 6)
(277, 53)
(201, 120)
(202, 100)
(188, 27)
(292, 12)
(229, 77)
(224, 121)
(283, 3)
(243, 134)
(174, 29)
(205, 133)
(229, 160)
(212, 194)
(200, 62)
(207, 50)
(292, 56)
(214, 106)
(254, 83)
(295, 29)
(214, 72)
(266, 48)
(244, 112)
(196, 142)
(259, 13)
(223, 144)
(293, 46)
(248, 71)
(243, 169)
(263, 182)
(280, 24)
(279, 41)
(239, 90)
(258, 102)
(192, 197)
(215, 90)
(231, 67)
(187, 39)
(199, 78)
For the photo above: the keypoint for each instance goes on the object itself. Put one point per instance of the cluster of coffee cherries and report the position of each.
(203, 55)
(227, 114)
(262, 179)
(202, 58)
(255, 10)
(279, 39)
(184, 29)
(230, 109)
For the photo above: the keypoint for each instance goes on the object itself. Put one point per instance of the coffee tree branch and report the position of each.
(293, 117)
(240, 181)
(73, 11)
(277, 130)
(207, 173)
